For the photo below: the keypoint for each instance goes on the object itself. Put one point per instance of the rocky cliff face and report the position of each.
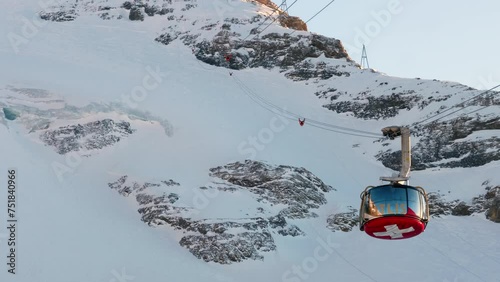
(230, 240)
(293, 23)
(451, 144)
(284, 19)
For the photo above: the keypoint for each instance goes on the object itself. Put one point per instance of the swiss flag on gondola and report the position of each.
(394, 227)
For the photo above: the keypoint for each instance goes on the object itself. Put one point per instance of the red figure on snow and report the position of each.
(228, 57)
(301, 122)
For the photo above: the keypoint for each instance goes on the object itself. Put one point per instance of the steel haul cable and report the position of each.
(312, 122)
(293, 116)
(461, 103)
(269, 16)
(291, 5)
(316, 14)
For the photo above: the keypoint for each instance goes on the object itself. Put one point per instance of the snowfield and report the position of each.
(189, 117)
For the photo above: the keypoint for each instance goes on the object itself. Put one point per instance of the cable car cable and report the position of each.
(343, 258)
(312, 122)
(448, 257)
(477, 110)
(269, 16)
(274, 20)
(493, 259)
(449, 109)
(318, 124)
(316, 14)
(292, 116)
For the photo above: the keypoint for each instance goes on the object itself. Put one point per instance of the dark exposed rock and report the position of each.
(90, 136)
(151, 10)
(490, 202)
(438, 206)
(127, 189)
(285, 19)
(189, 7)
(307, 70)
(172, 198)
(343, 221)
(292, 230)
(295, 187)
(135, 14)
(167, 38)
(440, 145)
(381, 107)
(273, 50)
(277, 221)
(127, 5)
(297, 211)
(144, 199)
(292, 22)
(228, 248)
(227, 241)
(170, 182)
(269, 3)
(461, 209)
(493, 212)
(59, 16)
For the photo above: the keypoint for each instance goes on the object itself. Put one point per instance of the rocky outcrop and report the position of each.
(268, 3)
(490, 202)
(270, 51)
(135, 14)
(284, 19)
(64, 15)
(228, 248)
(293, 22)
(226, 241)
(446, 144)
(297, 188)
(137, 10)
(344, 221)
(90, 136)
(493, 212)
(377, 107)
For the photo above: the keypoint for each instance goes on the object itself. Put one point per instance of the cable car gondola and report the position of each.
(396, 210)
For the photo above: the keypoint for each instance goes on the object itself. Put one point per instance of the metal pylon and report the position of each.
(284, 6)
(364, 58)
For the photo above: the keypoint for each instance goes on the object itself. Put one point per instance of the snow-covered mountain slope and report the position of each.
(111, 126)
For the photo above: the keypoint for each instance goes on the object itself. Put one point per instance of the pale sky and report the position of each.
(453, 40)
